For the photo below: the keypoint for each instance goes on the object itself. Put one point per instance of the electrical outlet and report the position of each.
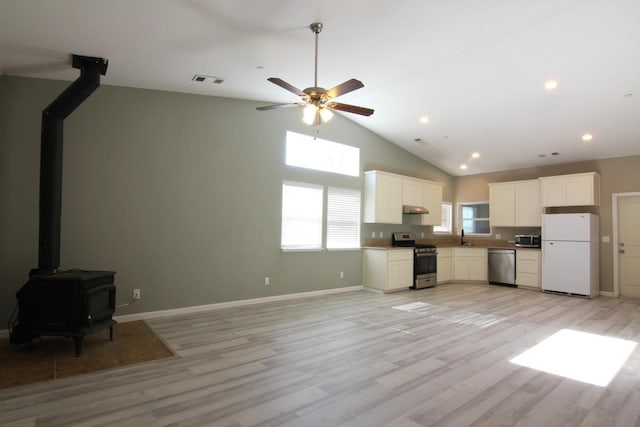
(342, 274)
(136, 294)
(498, 236)
(373, 234)
(380, 235)
(267, 281)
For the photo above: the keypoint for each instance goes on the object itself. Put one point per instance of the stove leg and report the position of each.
(110, 333)
(78, 343)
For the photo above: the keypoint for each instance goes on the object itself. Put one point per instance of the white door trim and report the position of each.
(616, 261)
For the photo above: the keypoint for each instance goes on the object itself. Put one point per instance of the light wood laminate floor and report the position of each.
(352, 359)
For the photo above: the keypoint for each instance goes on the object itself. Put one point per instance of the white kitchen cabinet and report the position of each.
(528, 267)
(581, 189)
(515, 204)
(382, 198)
(388, 269)
(470, 264)
(502, 204)
(412, 192)
(444, 265)
(528, 210)
(432, 200)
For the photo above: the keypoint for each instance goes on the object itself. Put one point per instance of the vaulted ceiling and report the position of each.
(446, 78)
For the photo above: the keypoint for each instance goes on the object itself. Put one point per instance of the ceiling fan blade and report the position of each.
(350, 108)
(342, 88)
(278, 106)
(286, 86)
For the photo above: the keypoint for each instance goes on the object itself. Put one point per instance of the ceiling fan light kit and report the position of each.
(317, 101)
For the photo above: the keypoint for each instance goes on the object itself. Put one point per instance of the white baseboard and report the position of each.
(230, 304)
(607, 294)
(4, 333)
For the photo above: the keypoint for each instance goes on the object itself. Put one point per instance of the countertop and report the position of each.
(489, 244)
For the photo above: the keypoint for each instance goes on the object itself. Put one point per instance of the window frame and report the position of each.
(461, 219)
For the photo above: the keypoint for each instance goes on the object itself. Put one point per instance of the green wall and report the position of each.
(179, 194)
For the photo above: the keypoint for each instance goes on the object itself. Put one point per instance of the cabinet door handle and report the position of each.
(621, 251)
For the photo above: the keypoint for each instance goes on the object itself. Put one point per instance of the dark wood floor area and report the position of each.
(440, 357)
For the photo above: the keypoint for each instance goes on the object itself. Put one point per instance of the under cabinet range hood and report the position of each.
(418, 210)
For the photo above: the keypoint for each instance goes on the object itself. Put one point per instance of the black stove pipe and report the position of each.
(51, 157)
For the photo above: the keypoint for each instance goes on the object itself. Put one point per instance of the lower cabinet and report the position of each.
(528, 268)
(388, 269)
(444, 265)
(470, 264)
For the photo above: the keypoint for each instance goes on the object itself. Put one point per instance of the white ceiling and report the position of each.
(475, 68)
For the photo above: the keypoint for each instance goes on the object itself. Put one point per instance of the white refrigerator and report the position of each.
(571, 254)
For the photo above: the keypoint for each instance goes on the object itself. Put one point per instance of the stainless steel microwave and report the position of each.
(528, 241)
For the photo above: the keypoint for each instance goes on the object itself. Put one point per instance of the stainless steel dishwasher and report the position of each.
(502, 267)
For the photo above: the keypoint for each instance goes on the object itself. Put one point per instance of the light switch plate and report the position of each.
(605, 239)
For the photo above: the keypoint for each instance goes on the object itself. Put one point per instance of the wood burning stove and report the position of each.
(68, 303)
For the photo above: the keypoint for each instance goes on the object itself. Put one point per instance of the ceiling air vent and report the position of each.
(199, 78)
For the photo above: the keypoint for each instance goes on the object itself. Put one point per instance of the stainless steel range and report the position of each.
(424, 259)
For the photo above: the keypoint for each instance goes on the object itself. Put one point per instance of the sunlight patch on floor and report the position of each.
(411, 306)
(590, 358)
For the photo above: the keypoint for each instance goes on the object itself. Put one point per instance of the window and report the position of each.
(318, 154)
(343, 218)
(301, 216)
(474, 218)
(445, 227)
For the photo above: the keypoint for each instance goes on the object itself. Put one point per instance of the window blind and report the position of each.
(447, 223)
(343, 218)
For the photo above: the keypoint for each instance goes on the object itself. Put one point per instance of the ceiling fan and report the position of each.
(317, 101)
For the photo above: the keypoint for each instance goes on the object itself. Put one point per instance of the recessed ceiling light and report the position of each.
(587, 137)
(542, 155)
(628, 95)
(475, 155)
(463, 167)
(555, 153)
(550, 84)
(424, 119)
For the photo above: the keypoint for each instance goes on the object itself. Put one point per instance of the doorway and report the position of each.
(626, 244)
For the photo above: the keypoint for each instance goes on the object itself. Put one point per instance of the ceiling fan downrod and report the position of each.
(316, 27)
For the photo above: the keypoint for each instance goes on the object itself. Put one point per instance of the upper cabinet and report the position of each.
(385, 194)
(432, 200)
(502, 204)
(515, 203)
(382, 197)
(581, 189)
(412, 192)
